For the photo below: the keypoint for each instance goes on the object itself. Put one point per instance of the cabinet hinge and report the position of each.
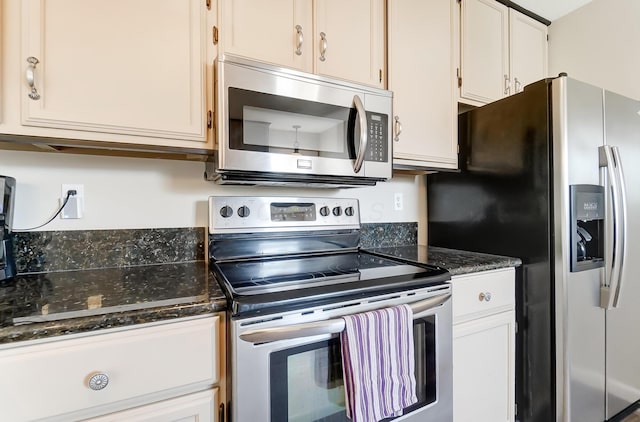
(380, 73)
(458, 148)
(516, 327)
(208, 4)
(215, 35)
(221, 412)
(209, 119)
(547, 37)
(515, 408)
(459, 76)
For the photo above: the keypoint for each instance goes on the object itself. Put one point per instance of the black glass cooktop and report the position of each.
(269, 285)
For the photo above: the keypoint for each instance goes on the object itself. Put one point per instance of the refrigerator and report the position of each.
(551, 175)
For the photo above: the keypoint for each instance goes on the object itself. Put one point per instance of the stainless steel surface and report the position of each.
(331, 326)
(250, 363)
(260, 217)
(31, 79)
(622, 130)
(323, 46)
(286, 169)
(622, 221)
(364, 135)
(578, 127)
(300, 40)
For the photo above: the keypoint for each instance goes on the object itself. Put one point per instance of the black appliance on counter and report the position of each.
(7, 262)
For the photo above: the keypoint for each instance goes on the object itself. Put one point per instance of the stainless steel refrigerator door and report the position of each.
(622, 129)
(577, 114)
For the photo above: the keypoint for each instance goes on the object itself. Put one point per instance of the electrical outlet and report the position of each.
(397, 201)
(75, 204)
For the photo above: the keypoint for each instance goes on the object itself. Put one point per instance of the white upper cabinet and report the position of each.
(422, 43)
(350, 40)
(90, 68)
(484, 50)
(501, 50)
(326, 37)
(275, 31)
(527, 50)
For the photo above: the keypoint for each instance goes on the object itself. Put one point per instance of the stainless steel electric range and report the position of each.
(290, 268)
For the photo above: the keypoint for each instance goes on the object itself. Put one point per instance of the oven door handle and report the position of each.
(330, 326)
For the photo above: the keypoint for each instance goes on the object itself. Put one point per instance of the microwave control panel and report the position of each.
(378, 146)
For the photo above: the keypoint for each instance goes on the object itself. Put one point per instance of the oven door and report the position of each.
(281, 121)
(300, 378)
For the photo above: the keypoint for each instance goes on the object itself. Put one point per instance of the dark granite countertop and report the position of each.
(39, 305)
(455, 261)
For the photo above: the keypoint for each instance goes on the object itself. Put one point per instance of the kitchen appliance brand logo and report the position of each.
(590, 206)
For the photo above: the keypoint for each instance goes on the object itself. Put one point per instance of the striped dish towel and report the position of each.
(378, 363)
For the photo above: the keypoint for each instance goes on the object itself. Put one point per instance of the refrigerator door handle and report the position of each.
(622, 222)
(609, 292)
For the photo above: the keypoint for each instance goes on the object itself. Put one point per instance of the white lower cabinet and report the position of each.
(197, 407)
(167, 369)
(484, 346)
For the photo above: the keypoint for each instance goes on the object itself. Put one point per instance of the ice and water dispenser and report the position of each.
(587, 227)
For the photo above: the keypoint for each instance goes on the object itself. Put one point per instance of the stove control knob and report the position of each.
(348, 211)
(226, 211)
(324, 211)
(243, 211)
(337, 211)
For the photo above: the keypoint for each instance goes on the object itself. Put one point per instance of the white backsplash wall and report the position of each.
(125, 193)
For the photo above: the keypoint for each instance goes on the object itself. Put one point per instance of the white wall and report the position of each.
(147, 193)
(599, 44)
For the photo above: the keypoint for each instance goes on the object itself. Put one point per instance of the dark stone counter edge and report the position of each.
(51, 329)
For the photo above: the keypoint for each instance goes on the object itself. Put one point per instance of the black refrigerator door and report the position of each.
(500, 203)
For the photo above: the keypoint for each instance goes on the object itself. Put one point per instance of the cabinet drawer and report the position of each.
(484, 293)
(52, 378)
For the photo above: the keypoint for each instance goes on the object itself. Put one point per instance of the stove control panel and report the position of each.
(250, 213)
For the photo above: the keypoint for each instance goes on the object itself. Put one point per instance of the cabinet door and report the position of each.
(273, 31)
(193, 407)
(483, 369)
(484, 50)
(422, 78)
(118, 66)
(352, 46)
(527, 50)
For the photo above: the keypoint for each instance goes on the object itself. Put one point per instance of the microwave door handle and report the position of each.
(364, 137)
(330, 326)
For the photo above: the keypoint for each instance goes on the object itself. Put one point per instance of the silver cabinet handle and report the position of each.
(98, 380)
(364, 135)
(507, 86)
(517, 85)
(300, 40)
(31, 77)
(610, 291)
(329, 326)
(323, 46)
(484, 297)
(398, 128)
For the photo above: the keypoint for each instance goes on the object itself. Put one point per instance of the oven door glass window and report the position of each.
(277, 124)
(306, 381)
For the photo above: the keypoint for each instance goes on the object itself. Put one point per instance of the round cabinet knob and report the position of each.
(484, 296)
(226, 211)
(243, 211)
(98, 381)
(348, 211)
(324, 211)
(337, 211)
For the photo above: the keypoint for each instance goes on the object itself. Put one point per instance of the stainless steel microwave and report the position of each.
(285, 127)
